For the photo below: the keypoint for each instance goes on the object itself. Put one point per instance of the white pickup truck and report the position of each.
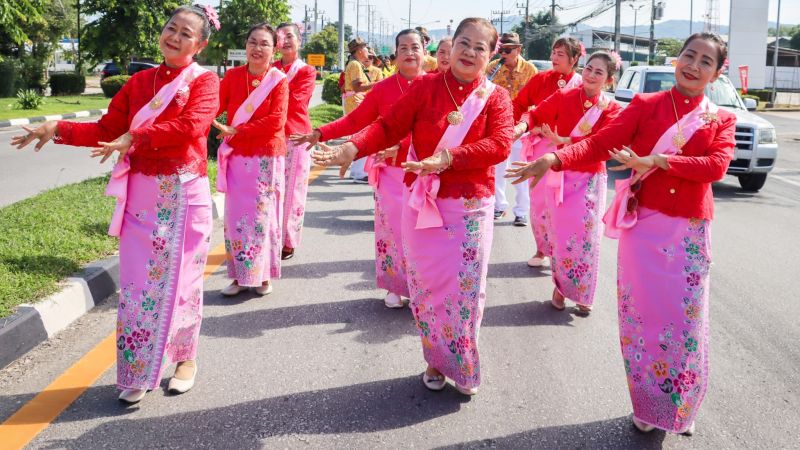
(756, 142)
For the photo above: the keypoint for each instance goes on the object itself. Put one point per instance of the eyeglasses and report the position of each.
(633, 202)
(506, 50)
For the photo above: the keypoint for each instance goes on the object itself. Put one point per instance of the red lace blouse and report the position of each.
(301, 88)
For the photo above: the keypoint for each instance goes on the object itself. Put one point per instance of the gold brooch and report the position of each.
(455, 117)
(255, 83)
(481, 93)
(679, 140)
(585, 127)
(587, 104)
(155, 104)
(249, 108)
(562, 83)
(709, 117)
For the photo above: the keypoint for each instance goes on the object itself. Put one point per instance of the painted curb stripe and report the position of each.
(36, 415)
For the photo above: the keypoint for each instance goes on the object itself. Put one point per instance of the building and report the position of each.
(595, 40)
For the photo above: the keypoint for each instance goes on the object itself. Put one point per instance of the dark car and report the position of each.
(109, 70)
(138, 66)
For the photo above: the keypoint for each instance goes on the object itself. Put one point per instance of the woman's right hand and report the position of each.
(534, 170)
(44, 133)
(224, 130)
(520, 129)
(338, 155)
(311, 139)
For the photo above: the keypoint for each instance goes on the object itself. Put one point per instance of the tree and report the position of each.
(17, 16)
(237, 16)
(326, 42)
(124, 29)
(543, 30)
(669, 47)
(794, 42)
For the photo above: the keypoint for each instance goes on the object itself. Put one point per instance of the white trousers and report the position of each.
(522, 198)
(357, 168)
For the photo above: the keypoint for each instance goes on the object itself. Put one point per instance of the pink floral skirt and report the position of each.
(390, 264)
(663, 288)
(447, 269)
(535, 147)
(298, 166)
(163, 249)
(253, 204)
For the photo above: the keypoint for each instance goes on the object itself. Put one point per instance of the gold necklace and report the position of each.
(453, 117)
(156, 102)
(584, 126)
(255, 81)
(679, 140)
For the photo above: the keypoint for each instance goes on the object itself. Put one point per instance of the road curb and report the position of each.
(73, 115)
(33, 324)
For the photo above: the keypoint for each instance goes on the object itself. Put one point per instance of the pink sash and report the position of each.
(118, 184)
(426, 188)
(555, 180)
(373, 170)
(529, 141)
(296, 66)
(617, 218)
(243, 114)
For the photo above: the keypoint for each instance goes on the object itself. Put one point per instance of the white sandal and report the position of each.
(434, 383)
(132, 396)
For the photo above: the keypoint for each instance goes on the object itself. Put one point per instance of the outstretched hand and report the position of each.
(552, 135)
(432, 164)
(630, 160)
(310, 138)
(121, 144)
(389, 153)
(534, 171)
(44, 133)
(338, 155)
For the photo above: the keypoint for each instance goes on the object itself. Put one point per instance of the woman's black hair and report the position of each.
(406, 32)
(266, 27)
(722, 47)
(197, 10)
(478, 21)
(571, 45)
(611, 64)
(442, 41)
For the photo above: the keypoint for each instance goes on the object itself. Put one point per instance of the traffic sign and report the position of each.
(315, 59)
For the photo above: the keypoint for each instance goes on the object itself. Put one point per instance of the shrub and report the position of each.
(213, 142)
(8, 78)
(67, 84)
(31, 74)
(764, 95)
(28, 99)
(112, 85)
(330, 90)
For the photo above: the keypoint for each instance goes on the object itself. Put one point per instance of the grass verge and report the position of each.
(322, 114)
(52, 106)
(47, 238)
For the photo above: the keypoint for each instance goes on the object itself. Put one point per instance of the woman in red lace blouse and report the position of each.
(158, 122)
(251, 164)
(679, 143)
(461, 126)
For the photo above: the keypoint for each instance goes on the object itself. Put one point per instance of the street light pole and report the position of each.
(409, 14)
(635, 19)
(341, 34)
(775, 56)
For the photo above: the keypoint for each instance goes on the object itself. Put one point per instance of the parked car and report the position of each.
(541, 64)
(138, 66)
(109, 70)
(756, 141)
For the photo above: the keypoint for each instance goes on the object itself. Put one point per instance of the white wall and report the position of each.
(747, 41)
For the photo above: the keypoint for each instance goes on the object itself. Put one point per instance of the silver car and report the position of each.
(756, 142)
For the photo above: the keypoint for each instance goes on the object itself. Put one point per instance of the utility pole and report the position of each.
(617, 11)
(655, 14)
(409, 13)
(79, 66)
(525, 24)
(341, 34)
(552, 8)
(691, 15)
(502, 14)
(775, 56)
(316, 16)
(358, 13)
(305, 23)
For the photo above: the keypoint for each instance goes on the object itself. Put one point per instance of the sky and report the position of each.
(435, 14)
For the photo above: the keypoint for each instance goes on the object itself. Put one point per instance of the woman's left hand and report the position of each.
(389, 153)
(432, 164)
(121, 144)
(630, 160)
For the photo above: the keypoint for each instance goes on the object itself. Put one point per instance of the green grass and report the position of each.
(53, 105)
(212, 175)
(322, 114)
(49, 237)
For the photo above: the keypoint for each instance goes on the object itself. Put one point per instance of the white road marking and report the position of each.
(785, 180)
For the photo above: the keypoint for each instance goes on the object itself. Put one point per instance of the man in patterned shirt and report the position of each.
(513, 75)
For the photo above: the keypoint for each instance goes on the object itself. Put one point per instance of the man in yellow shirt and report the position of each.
(512, 75)
(357, 83)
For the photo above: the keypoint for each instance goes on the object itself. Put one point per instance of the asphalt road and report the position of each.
(321, 363)
(26, 173)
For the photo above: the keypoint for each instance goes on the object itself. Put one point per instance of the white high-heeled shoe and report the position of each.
(179, 386)
(539, 261)
(393, 301)
(264, 289)
(641, 426)
(132, 395)
(689, 431)
(232, 289)
(434, 383)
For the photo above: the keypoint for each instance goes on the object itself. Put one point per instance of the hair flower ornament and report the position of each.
(583, 50)
(213, 17)
(617, 60)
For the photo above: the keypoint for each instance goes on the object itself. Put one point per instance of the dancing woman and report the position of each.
(301, 78)
(575, 199)
(158, 123)
(251, 164)
(385, 173)
(564, 56)
(680, 143)
(461, 126)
